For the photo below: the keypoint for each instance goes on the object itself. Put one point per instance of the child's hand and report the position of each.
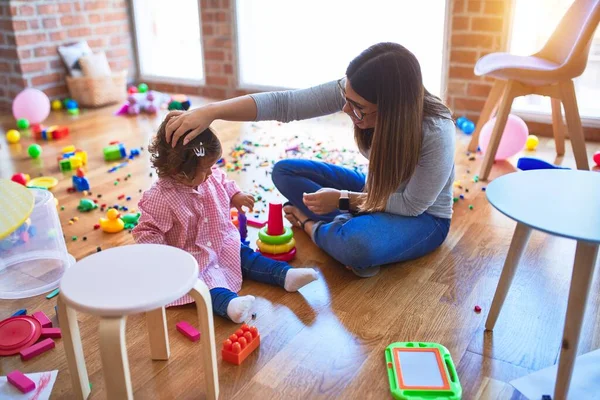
(242, 199)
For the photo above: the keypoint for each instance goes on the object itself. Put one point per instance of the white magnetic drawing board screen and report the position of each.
(420, 369)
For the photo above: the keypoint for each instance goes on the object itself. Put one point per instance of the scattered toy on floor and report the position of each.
(130, 220)
(596, 158)
(275, 241)
(72, 158)
(188, 331)
(179, 102)
(86, 205)
(20, 178)
(465, 125)
(53, 132)
(532, 142)
(114, 152)
(112, 223)
(20, 381)
(240, 344)
(22, 124)
(477, 309)
(13, 136)
(80, 182)
(530, 163)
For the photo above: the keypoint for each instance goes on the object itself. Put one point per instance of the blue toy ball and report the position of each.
(467, 127)
(71, 104)
(460, 121)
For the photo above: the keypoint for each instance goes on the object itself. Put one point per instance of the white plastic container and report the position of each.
(34, 258)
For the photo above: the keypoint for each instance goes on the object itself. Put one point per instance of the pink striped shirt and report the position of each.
(197, 221)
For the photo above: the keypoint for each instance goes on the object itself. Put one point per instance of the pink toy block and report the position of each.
(188, 331)
(43, 319)
(275, 224)
(255, 222)
(36, 349)
(51, 333)
(20, 381)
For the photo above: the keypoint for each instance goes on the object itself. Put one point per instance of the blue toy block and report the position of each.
(81, 183)
(530, 163)
(20, 312)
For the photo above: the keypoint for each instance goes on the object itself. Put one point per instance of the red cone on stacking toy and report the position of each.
(275, 224)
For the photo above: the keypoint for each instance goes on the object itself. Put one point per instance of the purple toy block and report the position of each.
(188, 331)
(20, 381)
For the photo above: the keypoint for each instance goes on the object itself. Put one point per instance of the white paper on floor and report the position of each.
(585, 382)
(44, 381)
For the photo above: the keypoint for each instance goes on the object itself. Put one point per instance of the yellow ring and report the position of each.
(46, 182)
(276, 248)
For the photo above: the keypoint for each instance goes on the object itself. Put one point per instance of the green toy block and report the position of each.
(65, 164)
(112, 153)
(418, 370)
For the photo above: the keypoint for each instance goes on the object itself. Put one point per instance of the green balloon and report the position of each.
(142, 88)
(22, 123)
(34, 150)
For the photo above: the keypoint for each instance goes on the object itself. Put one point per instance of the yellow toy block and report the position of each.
(68, 149)
(82, 155)
(75, 162)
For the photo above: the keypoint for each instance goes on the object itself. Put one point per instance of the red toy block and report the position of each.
(275, 224)
(60, 132)
(36, 349)
(289, 256)
(44, 320)
(51, 333)
(477, 309)
(255, 222)
(188, 331)
(239, 345)
(20, 381)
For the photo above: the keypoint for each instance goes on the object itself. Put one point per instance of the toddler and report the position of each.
(188, 207)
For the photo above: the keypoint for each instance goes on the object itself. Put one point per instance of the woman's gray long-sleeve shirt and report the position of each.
(430, 187)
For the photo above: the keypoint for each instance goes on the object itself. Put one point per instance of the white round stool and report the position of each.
(127, 280)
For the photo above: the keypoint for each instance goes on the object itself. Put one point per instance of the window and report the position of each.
(529, 34)
(289, 44)
(168, 40)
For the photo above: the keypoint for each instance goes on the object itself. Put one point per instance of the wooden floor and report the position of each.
(328, 340)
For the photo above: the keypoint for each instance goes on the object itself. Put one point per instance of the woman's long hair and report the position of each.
(389, 75)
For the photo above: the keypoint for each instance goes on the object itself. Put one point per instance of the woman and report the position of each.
(402, 209)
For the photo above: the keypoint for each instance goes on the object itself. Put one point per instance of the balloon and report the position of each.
(513, 138)
(31, 104)
(597, 158)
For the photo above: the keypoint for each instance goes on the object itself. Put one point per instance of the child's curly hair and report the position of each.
(182, 160)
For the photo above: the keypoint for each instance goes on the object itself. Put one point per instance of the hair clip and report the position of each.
(199, 151)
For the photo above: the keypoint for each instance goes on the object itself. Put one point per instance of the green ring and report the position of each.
(279, 239)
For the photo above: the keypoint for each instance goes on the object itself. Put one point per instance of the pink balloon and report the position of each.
(31, 104)
(512, 141)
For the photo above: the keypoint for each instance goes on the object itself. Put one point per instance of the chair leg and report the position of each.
(201, 295)
(515, 252)
(567, 91)
(113, 353)
(583, 272)
(488, 109)
(157, 333)
(71, 338)
(558, 127)
(501, 118)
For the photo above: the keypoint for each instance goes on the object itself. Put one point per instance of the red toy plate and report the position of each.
(18, 333)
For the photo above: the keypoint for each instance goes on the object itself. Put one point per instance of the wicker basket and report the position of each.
(98, 91)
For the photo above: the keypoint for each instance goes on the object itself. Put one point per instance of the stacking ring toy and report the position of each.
(276, 248)
(289, 256)
(278, 239)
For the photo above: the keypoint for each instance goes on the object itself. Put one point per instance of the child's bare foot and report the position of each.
(299, 277)
(238, 309)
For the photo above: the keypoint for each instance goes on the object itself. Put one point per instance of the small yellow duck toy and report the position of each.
(112, 223)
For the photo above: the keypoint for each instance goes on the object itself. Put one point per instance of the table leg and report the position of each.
(71, 338)
(583, 271)
(201, 295)
(113, 353)
(517, 247)
(157, 333)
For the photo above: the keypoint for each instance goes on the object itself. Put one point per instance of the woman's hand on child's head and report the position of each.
(187, 123)
(242, 199)
(322, 201)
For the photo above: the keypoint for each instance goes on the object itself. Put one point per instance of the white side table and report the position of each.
(127, 280)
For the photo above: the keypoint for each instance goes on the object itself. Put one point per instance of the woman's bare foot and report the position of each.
(297, 217)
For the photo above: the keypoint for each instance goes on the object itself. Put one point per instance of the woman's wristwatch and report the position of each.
(344, 202)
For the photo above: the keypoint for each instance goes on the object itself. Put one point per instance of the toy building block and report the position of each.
(64, 164)
(256, 223)
(80, 182)
(43, 319)
(20, 381)
(22, 311)
(114, 152)
(188, 331)
(51, 333)
(58, 132)
(275, 224)
(37, 349)
(68, 149)
(82, 155)
(239, 345)
(243, 228)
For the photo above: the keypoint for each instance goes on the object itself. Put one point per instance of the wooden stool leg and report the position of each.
(517, 247)
(501, 118)
(583, 271)
(71, 338)
(567, 91)
(113, 353)
(488, 109)
(558, 127)
(157, 333)
(201, 295)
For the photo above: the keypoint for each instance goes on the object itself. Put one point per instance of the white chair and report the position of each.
(127, 280)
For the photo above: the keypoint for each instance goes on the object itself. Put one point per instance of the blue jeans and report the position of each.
(254, 267)
(364, 240)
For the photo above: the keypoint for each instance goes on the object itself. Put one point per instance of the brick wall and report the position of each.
(40, 26)
(479, 27)
(10, 77)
